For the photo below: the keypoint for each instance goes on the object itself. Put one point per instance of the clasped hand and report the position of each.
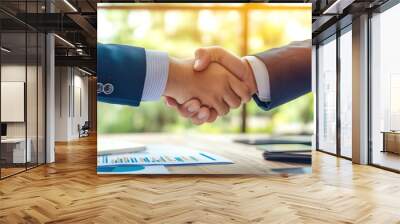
(209, 85)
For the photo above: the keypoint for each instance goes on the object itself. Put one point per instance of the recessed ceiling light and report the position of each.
(70, 5)
(84, 71)
(5, 50)
(64, 40)
(337, 7)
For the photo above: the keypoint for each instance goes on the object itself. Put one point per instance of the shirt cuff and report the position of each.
(157, 64)
(262, 78)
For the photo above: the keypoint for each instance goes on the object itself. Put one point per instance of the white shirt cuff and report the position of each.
(262, 78)
(157, 64)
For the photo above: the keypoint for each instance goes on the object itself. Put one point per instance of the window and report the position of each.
(327, 95)
(346, 92)
(385, 89)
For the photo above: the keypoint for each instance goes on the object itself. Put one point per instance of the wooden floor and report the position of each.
(69, 191)
(5, 172)
(10, 171)
(387, 159)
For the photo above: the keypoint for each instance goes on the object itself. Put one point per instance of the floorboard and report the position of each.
(70, 191)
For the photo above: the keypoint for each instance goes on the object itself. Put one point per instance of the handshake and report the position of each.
(209, 85)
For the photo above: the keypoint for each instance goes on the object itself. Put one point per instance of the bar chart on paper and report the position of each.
(162, 155)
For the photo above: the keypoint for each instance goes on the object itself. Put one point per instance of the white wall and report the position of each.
(12, 73)
(81, 85)
(61, 103)
(71, 93)
(33, 126)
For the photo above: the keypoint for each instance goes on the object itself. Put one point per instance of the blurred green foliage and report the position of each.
(180, 33)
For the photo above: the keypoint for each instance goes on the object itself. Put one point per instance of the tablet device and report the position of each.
(287, 148)
(288, 157)
(290, 153)
(271, 141)
(106, 147)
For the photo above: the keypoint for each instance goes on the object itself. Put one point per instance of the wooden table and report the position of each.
(391, 141)
(247, 159)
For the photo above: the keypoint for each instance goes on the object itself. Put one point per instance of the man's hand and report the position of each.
(203, 57)
(193, 110)
(214, 86)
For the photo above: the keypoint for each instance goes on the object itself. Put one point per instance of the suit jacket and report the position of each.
(289, 70)
(121, 74)
(124, 69)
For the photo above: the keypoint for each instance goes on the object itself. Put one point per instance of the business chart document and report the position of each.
(162, 155)
(132, 169)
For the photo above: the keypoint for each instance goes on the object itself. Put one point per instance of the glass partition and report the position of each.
(13, 105)
(22, 88)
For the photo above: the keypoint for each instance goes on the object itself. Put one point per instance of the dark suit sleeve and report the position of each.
(289, 70)
(121, 71)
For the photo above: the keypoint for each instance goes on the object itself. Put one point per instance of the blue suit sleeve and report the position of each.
(263, 105)
(121, 72)
(289, 71)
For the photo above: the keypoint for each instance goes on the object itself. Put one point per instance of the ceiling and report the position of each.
(332, 15)
(75, 23)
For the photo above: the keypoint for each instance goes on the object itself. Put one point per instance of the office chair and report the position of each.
(84, 130)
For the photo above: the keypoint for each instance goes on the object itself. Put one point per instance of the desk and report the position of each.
(18, 151)
(391, 142)
(247, 159)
